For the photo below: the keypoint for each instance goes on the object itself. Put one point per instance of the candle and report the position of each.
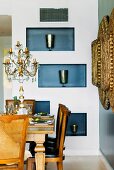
(18, 43)
(26, 50)
(10, 50)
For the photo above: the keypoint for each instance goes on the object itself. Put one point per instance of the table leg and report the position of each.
(40, 154)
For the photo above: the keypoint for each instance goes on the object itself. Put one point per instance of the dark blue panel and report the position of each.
(79, 119)
(42, 106)
(64, 39)
(48, 75)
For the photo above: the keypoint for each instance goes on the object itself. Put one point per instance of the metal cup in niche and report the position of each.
(74, 128)
(63, 77)
(50, 38)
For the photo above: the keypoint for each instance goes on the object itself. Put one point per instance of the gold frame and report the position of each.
(96, 62)
(101, 62)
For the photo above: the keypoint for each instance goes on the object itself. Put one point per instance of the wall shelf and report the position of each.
(79, 119)
(64, 38)
(48, 75)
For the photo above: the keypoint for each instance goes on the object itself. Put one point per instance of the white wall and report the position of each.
(5, 86)
(1, 79)
(83, 15)
(4, 10)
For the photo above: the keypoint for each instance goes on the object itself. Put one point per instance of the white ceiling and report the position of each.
(5, 25)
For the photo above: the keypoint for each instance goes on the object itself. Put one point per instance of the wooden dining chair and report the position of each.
(51, 141)
(13, 130)
(55, 154)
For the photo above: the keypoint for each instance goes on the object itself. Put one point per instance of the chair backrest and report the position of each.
(65, 112)
(13, 130)
(27, 103)
(58, 122)
(57, 152)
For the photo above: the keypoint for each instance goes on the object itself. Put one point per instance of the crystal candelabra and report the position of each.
(20, 65)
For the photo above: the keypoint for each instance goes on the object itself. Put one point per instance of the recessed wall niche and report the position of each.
(42, 106)
(77, 124)
(63, 38)
(62, 75)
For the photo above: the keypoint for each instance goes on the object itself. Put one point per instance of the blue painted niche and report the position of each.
(48, 75)
(79, 119)
(42, 106)
(64, 38)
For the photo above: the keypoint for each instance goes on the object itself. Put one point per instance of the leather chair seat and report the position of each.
(51, 151)
(50, 142)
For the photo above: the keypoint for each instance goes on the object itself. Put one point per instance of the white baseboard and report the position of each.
(107, 165)
(89, 153)
(70, 152)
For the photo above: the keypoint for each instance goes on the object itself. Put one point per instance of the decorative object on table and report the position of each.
(41, 114)
(9, 109)
(20, 66)
(40, 120)
(21, 97)
(12, 106)
(16, 104)
(50, 38)
(16, 101)
(63, 77)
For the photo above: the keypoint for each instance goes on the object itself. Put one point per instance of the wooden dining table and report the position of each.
(37, 132)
